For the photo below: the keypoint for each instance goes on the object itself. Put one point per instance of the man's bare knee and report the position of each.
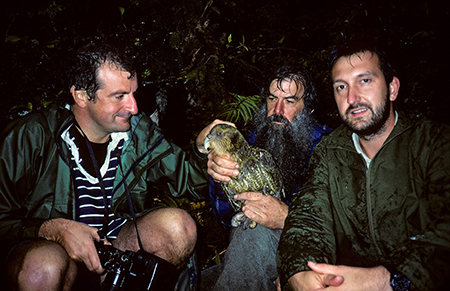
(41, 265)
(170, 233)
(180, 225)
(180, 235)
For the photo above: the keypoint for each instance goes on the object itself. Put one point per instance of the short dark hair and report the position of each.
(355, 46)
(298, 74)
(82, 69)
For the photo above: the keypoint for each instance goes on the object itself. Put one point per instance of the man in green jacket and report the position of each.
(69, 174)
(374, 212)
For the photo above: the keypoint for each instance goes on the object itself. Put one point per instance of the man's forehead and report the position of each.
(109, 68)
(114, 76)
(287, 86)
(358, 57)
(362, 61)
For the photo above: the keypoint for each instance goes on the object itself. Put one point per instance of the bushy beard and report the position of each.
(290, 144)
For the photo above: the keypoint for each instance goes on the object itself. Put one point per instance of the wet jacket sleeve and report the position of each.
(308, 232)
(181, 173)
(20, 160)
(424, 258)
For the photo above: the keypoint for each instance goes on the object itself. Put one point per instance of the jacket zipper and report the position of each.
(369, 196)
(369, 211)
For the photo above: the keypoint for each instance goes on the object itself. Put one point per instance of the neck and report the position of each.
(370, 144)
(87, 129)
(91, 136)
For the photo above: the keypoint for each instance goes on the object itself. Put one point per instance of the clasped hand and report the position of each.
(331, 277)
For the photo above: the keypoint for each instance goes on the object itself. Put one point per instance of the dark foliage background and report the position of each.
(203, 59)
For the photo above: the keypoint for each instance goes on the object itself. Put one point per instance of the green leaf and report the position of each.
(12, 38)
(240, 108)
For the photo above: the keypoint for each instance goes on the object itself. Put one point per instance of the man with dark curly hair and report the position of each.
(76, 174)
(374, 210)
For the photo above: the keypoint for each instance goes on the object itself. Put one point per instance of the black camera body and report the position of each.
(135, 271)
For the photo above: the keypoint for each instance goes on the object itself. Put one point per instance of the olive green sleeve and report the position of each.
(308, 232)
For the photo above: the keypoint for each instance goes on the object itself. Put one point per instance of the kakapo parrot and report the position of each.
(257, 169)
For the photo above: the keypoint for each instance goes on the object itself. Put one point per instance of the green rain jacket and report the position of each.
(36, 181)
(396, 213)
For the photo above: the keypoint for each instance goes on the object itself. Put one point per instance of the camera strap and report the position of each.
(130, 205)
(104, 230)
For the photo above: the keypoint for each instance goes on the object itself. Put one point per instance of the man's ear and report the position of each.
(394, 87)
(79, 96)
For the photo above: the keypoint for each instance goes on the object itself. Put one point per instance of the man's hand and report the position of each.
(221, 168)
(356, 278)
(77, 239)
(200, 142)
(341, 278)
(309, 280)
(264, 209)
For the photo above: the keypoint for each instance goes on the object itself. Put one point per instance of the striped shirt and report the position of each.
(89, 202)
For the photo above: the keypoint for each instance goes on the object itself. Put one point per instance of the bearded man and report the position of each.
(373, 213)
(285, 127)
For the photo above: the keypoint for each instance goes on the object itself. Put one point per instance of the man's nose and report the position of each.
(132, 105)
(279, 108)
(353, 96)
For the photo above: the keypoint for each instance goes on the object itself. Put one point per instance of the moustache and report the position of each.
(355, 106)
(278, 118)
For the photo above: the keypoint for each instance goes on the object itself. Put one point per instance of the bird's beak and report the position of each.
(206, 143)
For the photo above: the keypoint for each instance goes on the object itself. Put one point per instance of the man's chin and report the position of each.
(356, 124)
(122, 127)
(363, 129)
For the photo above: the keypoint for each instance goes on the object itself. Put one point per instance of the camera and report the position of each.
(135, 271)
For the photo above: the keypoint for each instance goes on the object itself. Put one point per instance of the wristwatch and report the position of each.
(399, 282)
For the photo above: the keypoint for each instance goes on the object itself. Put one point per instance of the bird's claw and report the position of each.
(240, 219)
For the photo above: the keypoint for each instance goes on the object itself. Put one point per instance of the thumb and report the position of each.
(330, 277)
(333, 280)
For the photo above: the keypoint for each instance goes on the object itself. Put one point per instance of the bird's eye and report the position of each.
(219, 133)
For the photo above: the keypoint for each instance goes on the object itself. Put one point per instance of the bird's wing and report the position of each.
(257, 173)
(270, 175)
